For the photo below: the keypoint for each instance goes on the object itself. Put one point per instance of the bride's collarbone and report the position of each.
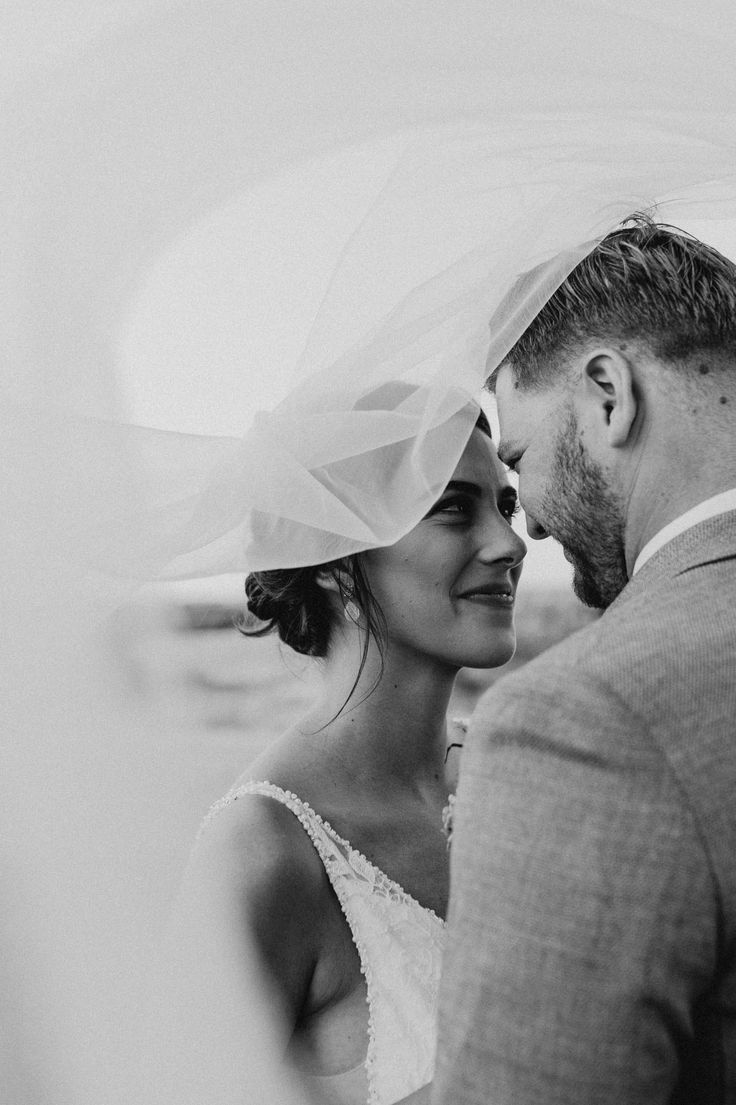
(406, 843)
(409, 848)
(394, 828)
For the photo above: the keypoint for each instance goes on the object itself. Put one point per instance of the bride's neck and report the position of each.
(393, 724)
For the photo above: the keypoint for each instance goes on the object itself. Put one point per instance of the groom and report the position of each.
(591, 953)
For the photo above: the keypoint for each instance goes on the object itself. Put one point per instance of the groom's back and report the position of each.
(605, 773)
(669, 651)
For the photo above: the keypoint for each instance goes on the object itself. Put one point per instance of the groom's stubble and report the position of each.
(587, 516)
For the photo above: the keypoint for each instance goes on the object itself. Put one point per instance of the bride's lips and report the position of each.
(490, 596)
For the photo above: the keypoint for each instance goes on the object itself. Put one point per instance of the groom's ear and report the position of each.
(608, 388)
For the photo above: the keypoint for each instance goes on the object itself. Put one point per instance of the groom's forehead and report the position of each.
(512, 401)
(524, 417)
(507, 390)
(515, 400)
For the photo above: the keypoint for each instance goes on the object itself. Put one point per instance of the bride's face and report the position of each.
(447, 588)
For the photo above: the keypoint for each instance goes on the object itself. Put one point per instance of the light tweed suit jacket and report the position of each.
(591, 951)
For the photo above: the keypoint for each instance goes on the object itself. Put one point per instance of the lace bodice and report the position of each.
(400, 945)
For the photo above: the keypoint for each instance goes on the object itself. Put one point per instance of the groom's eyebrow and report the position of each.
(507, 451)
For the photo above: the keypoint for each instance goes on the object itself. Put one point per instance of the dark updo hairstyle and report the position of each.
(292, 602)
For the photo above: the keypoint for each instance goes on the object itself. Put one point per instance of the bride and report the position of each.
(328, 856)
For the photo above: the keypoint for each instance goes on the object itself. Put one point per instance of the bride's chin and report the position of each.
(495, 657)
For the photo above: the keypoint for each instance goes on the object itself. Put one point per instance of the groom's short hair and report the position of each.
(646, 283)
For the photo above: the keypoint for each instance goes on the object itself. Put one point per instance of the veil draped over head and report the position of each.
(473, 146)
(460, 148)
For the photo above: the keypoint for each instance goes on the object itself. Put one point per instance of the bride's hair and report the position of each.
(293, 603)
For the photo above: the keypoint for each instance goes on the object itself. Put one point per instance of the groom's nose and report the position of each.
(535, 529)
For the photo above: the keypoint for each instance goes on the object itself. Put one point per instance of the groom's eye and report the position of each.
(510, 458)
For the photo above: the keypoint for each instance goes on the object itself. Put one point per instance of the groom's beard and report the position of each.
(587, 518)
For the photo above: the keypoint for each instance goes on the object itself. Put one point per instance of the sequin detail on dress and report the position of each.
(400, 945)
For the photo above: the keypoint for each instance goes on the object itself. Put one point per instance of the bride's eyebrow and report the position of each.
(465, 486)
(506, 491)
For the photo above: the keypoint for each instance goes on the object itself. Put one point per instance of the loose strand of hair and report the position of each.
(375, 628)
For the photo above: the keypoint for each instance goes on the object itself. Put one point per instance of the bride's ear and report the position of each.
(339, 586)
(335, 579)
(608, 386)
(327, 580)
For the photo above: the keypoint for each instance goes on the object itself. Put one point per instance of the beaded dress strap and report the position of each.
(313, 822)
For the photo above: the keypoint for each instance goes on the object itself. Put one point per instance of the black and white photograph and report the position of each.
(368, 437)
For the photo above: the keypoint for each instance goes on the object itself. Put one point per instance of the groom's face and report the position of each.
(564, 491)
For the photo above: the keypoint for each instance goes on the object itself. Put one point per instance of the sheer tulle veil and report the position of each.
(480, 150)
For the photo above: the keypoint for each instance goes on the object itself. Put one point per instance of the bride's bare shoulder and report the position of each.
(256, 840)
(297, 762)
(254, 872)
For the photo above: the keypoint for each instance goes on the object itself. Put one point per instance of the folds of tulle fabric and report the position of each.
(380, 405)
(509, 143)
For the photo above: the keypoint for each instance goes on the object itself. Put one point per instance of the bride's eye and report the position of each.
(509, 507)
(459, 506)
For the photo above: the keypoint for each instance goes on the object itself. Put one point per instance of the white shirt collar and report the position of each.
(717, 504)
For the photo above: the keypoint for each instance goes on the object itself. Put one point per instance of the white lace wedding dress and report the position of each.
(400, 944)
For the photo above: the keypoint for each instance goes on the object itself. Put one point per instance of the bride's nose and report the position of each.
(501, 542)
